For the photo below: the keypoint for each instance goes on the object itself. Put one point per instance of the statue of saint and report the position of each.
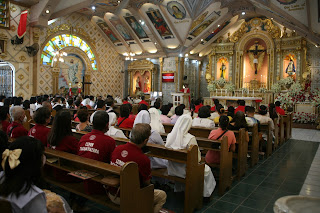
(138, 84)
(72, 71)
(223, 70)
(146, 85)
(291, 70)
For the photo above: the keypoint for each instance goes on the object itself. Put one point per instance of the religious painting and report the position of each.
(289, 66)
(159, 23)
(136, 27)
(176, 10)
(287, 2)
(199, 25)
(106, 29)
(255, 64)
(141, 82)
(222, 68)
(121, 29)
(216, 31)
(72, 71)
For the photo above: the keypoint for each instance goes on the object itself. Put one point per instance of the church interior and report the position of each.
(261, 55)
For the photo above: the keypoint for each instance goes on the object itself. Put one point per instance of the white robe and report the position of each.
(203, 122)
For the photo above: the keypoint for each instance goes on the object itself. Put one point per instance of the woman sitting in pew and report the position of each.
(217, 134)
(203, 118)
(221, 112)
(40, 131)
(164, 114)
(239, 122)
(84, 124)
(179, 138)
(178, 112)
(114, 132)
(124, 121)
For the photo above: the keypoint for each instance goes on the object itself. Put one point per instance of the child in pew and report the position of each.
(132, 151)
(238, 122)
(84, 124)
(221, 111)
(203, 118)
(179, 138)
(40, 131)
(22, 163)
(217, 134)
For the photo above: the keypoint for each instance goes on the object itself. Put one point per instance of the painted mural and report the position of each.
(176, 10)
(201, 23)
(159, 23)
(216, 31)
(121, 29)
(136, 27)
(72, 71)
(106, 29)
(286, 2)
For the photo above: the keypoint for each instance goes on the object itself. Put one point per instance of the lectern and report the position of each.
(180, 98)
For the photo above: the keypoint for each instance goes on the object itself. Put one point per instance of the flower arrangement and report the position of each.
(286, 81)
(139, 93)
(295, 89)
(276, 88)
(211, 87)
(245, 90)
(262, 90)
(285, 98)
(220, 82)
(230, 87)
(304, 117)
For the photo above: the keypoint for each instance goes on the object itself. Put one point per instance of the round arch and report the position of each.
(7, 79)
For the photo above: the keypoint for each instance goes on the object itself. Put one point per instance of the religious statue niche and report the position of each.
(289, 68)
(159, 23)
(222, 68)
(72, 71)
(141, 82)
(255, 64)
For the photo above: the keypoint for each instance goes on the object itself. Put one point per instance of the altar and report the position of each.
(232, 100)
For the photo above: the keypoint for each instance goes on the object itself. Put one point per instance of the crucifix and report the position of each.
(83, 83)
(256, 52)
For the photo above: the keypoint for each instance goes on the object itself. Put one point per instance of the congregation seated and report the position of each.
(241, 106)
(16, 128)
(217, 134)
(231, 111)
(4, 118)
(133, 149)
(84, 124)
(39, 102)
(143, 101)
(263, 117)
(124, 121)
(131, 115)
(178, 112)
(272, 111)
(100, 106)
(220, 111)
(155, 138)
(109, 104)
(156, 123)
(198, 104)
(164, 114)
(238, 122)
(203, 118)
(179, 138)
(279, 110)
(216, 103)
(251, 120)
(40, 131)
(112, 131)
(70, 104)
(142, 107)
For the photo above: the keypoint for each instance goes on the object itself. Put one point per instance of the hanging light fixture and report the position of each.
(129, 56)
(58, 56)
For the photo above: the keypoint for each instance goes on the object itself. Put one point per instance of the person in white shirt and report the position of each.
(100, 106)
(33, 101)
(203, 118)
(114, 132)
(91, 102)
(179, 138)
(39, 103)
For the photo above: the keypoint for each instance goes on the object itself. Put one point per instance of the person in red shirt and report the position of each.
(216, 103)
(198, 104)
(132, 151)
(4, 118)
(40, 131)
(279, 110)
(16, 129)
(241, 106)
(97, 146)
(124, 121)
(143, 101)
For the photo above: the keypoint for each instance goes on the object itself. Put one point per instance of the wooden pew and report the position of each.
(194, 170)
(254, 144)
(127, 177)
(281, 130)
(196, 131)
(276, 134)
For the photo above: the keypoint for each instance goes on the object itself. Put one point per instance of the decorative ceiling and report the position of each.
(154, 28)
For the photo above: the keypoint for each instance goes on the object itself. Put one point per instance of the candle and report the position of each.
(253, 93)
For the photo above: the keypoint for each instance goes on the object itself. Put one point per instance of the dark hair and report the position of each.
(157, 105)
(82, 114)
(216, 101)
(3, 143)
(130, 108)
(124, 111)
(251, 109)
(58, 108)
(39, 100)
(178, 110)
(263, 110)
(100, 104)
(220, 109)
(277, 103)
(204, 112)
(142, 97)
(4, 111)
(246, 109)
(140, 132)
(33, 100)
(91, 97)
(61, 127)
(26, 104)
(70, 102)
(109, 102)
(239, 120)
(165, 109)
(272, 111)
(142, 107)
(242, 103)
(170, 105)
(223, 122)
(19, 180)
(231, 111)
(100, 120)
(2, 97)
(41, 115)
(77, 103)
(7, 102)
(17, 102)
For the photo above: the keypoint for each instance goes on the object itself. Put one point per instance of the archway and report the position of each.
(7, 79)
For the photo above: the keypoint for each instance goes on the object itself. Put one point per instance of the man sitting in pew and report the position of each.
(100, 106)
(241, 106)
(16, 128)
(251, 120)
(217, 134)
(132, 151)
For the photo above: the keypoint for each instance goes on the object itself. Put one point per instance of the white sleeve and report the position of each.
(37, 204)
(155, 138)
(91, 117)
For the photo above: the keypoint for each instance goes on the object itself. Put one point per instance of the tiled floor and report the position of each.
(281, 174)
(306, 134)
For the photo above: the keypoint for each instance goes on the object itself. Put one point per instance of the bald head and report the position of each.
(17, 114)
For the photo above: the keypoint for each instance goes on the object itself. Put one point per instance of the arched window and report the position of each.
(6, 79)
(66, 40)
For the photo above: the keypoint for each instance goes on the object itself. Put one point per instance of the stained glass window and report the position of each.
(61, 41)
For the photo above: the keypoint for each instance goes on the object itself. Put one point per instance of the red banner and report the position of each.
(167, 77)
(22, 24)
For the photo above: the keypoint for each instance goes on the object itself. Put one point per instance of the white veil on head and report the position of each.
(179, 137)
(156, 123)
(142, 117)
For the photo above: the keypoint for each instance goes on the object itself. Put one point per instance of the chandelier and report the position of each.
(58, 56)
(129, 56)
